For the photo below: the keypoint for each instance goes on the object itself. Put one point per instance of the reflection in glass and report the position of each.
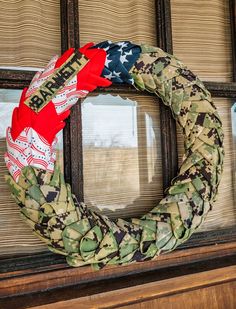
(121, 147)
(30, 32)
(9, 99)
(233, 120)
(117, 21)
(203, 43)
(15, 236)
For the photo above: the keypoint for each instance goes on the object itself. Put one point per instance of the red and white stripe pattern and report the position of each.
(41, 76)
(66, 97)
(29, 149)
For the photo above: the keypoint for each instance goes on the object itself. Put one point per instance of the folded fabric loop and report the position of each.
(21, 118)
(55, 122)
(24, 117)
(90, 75)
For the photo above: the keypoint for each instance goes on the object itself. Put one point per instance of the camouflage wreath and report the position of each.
(46, 202)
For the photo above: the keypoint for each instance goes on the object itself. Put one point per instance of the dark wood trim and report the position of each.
(120, 88)
(226, 90)
(219, 236)
(163, 24)
(69, 24)
(139, 290)
(64, 283)
(76, 152)
(64, 25)
(217, 89)
(72, 134)
(167, 123)
(15, 79)
(232, 8)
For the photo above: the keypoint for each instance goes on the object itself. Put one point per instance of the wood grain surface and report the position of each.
(220, 296)
(46, 277)
(155, 290)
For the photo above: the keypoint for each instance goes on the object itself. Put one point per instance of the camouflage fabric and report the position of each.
(86, 237)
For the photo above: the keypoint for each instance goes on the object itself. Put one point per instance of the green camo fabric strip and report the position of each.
(86, 237)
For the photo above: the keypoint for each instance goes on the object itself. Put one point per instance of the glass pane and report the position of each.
(117, 21)
(29, 32)
(223, 214)
(15, 236)
(122, 154)
(202, 38)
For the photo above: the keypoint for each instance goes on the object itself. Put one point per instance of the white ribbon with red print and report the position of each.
(29, 149)
(66, 97)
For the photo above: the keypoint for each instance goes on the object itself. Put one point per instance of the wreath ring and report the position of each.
(46, 202)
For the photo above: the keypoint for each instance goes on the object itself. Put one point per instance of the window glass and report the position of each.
(16, 237)
(29, 32)
(133, 20)
(202, 37)
(122, 154)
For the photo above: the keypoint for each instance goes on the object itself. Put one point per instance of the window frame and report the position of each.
(23, 276)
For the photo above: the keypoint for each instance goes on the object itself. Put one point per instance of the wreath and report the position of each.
(37, 184)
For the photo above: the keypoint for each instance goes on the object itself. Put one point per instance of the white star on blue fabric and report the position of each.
(109, 76)
(122, 45)
(107, 62)
(119, 59)
(123, 59)
(116, 74)
(129, 53)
